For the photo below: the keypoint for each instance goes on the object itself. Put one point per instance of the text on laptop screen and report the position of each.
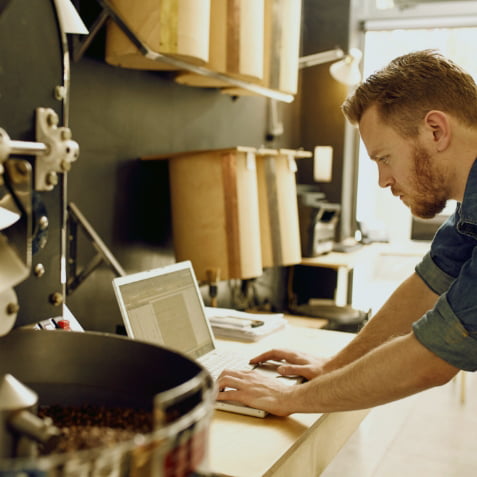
(165, 309)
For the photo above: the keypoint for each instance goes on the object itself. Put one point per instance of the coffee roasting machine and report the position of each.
(40, 368)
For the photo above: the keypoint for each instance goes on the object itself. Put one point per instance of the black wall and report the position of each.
(118, 115)
(325, 27)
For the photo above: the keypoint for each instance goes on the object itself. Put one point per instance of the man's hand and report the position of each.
(294, 363)
(256, 390)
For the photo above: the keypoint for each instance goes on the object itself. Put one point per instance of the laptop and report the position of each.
(164, 307)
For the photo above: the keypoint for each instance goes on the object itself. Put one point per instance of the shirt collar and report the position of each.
(468, 207)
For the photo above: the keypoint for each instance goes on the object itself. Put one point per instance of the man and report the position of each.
(418, 120)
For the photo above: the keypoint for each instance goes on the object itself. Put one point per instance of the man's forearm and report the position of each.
(406, 305)
(385, 374)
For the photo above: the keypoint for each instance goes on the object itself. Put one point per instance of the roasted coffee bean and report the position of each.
(90, 426)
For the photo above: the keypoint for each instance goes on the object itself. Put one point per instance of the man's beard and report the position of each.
(431, 190)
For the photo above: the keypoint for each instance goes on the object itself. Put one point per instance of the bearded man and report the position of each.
(418, 120)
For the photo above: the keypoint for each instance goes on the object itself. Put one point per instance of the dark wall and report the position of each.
(325, 27)
(119, 115)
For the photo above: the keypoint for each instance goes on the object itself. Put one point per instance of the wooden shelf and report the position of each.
(234, 83)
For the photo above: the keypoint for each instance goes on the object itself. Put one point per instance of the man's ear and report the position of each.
(438, 124)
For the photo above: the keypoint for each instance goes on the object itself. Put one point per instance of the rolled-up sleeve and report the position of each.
(450, 270)
(450, 329)
(434, 277)
(441, 331)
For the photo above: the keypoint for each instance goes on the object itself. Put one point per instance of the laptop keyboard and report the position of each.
(216, 361)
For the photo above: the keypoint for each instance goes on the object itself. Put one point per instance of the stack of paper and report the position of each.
(243, 326)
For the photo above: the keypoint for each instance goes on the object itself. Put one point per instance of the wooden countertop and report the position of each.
(301, 444)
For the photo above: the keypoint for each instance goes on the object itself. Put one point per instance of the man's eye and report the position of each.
(383, 159)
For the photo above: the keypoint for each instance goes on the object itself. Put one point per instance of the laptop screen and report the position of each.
(164, 307)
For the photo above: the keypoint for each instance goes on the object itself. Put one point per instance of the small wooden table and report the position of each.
(298, 445)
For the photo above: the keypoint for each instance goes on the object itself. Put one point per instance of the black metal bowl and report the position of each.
(74, 368)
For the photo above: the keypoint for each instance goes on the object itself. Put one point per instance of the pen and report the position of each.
(236, 321)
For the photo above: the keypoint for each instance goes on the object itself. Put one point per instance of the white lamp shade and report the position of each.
(347, 70)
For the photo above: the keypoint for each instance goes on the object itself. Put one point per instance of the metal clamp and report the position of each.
(54, 149)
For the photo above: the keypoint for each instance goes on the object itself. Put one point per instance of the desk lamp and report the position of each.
(346, 70)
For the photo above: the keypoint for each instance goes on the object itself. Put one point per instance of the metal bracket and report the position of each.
(80, 46)
(61, 149)
(54, 149)
(75, 276)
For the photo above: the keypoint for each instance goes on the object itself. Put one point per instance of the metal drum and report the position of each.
(98, 369)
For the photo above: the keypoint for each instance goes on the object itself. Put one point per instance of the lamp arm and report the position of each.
(320, 58)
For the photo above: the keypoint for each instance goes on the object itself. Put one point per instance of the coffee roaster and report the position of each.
(40, 369)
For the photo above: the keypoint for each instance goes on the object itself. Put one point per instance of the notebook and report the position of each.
(164, 307)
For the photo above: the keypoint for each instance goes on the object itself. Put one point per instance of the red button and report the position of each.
(64, 324)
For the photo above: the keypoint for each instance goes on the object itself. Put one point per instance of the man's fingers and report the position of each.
(272, 354)
(287, 370)
(230, 379)
(277, 355)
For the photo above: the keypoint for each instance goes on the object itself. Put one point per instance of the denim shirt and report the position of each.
(450, 270)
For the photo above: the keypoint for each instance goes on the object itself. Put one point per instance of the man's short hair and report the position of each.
(410, 86)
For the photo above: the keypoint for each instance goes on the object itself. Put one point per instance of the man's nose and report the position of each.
(385, 178)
